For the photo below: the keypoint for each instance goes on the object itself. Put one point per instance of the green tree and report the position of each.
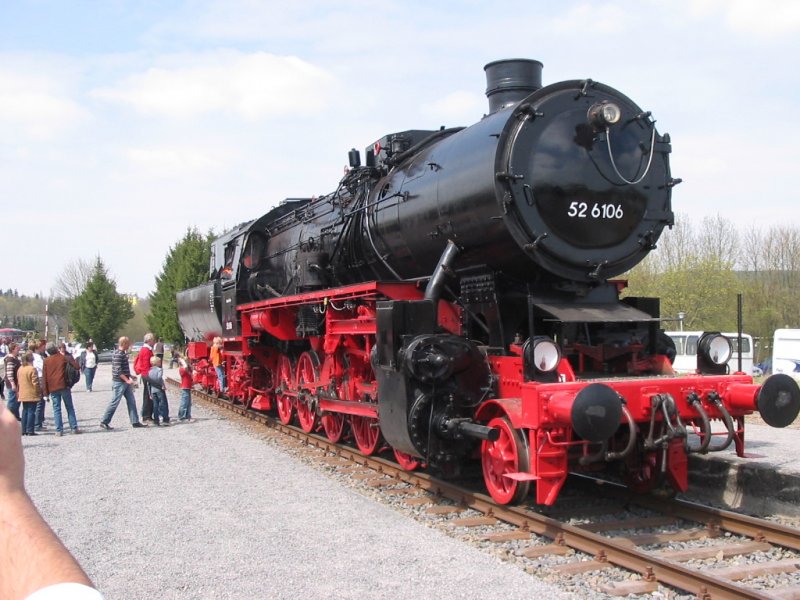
(185, 266)
(692, 272)
(137, 326)
(99, 312)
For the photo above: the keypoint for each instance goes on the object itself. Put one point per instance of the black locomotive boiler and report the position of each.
(453, 299)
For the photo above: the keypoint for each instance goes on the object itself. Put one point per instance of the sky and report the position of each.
(125, 122)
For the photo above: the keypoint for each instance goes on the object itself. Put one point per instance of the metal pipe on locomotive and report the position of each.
(453, 299)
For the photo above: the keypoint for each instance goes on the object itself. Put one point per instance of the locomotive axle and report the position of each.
(465, 428)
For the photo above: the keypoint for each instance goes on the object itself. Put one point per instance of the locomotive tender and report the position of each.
(454, 298)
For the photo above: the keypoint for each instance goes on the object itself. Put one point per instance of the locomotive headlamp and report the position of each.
(717, 348)
(714, 351)
(544, 354)
(603, 114)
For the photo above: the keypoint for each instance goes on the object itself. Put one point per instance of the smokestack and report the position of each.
(508, 81)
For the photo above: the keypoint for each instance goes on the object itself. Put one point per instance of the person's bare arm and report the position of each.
(31, 554)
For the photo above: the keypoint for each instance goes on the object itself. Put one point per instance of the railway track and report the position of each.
(572, 540)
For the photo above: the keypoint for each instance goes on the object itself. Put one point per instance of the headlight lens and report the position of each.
(611, 113)
(717, 348)
(546, 354)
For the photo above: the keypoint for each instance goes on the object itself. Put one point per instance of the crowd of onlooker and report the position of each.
(34, 375)
(37, 372)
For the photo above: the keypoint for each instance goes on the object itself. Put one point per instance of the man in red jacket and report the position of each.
(141, 366)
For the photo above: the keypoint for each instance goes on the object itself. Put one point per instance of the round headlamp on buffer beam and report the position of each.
(541, 357)
(714, 351)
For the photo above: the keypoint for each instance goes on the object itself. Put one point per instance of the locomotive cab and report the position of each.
(226, 263)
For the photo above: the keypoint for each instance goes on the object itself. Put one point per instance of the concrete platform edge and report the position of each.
(754, 488)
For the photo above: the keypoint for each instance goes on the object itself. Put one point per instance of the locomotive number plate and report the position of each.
(582, 210)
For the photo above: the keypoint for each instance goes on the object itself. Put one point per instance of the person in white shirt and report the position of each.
(38, 364)
(88, 363)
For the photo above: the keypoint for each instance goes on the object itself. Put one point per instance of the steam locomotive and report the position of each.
(454, 300)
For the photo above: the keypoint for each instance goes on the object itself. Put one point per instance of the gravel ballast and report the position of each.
(211, 510)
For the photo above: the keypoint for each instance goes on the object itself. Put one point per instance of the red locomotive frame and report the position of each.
(331, 387)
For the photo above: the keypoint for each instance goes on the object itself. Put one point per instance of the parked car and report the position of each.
(104, 356)
(136, 347)
(765, 367)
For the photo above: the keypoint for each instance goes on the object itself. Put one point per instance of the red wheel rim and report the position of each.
(333, 424)
(285, 380)
(366, 433)
(508, 454)
(307, 372)
(408, 462)
(366, 430)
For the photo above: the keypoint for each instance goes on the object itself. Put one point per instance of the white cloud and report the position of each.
(34, 106)
(459, 107)
(763, 18)
(715, 182)
(174, 162)
(278, 23)
(606, 17)
(253, 86)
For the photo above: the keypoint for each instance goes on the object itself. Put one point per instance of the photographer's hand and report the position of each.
(12, 463)
(31, 554)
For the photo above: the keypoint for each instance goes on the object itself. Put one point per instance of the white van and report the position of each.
(786, 352)
(686, 351)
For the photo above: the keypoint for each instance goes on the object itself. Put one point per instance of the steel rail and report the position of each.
(746, 525)
(603, 549)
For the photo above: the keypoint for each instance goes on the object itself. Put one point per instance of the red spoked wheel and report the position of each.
(508, 454)
(335, 369)
(333, 424)
(307, 375)
(407, 461)
(284, 400)
(366, 432)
